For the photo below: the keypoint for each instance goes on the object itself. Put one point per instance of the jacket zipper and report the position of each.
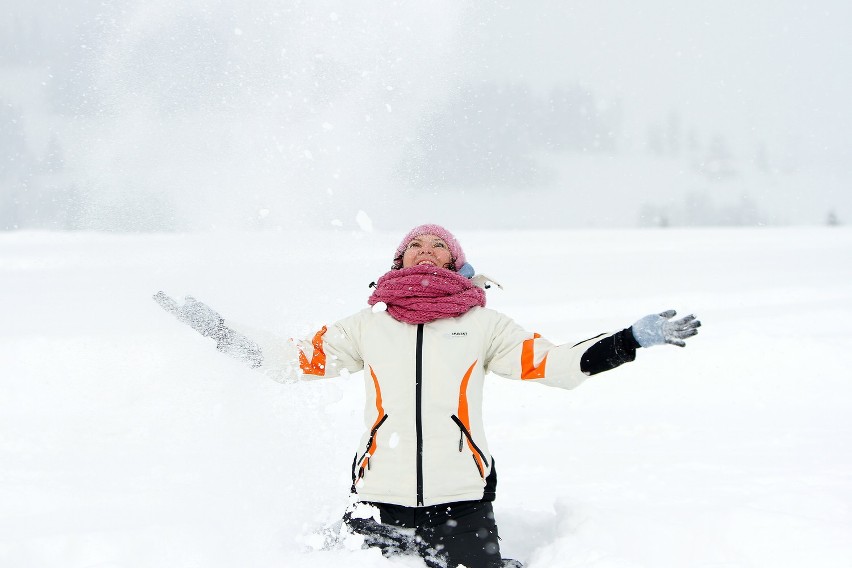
(418, 415)
(367, 453)
(466, 433)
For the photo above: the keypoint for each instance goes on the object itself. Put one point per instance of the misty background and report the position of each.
(224, 114)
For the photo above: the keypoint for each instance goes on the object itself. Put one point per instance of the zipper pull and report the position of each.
(461, 439)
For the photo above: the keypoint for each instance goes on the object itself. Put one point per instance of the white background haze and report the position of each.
(203, 115)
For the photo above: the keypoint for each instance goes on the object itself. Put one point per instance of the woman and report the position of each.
(423, 478)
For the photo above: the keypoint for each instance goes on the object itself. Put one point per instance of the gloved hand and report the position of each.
(200, 317)
(657, 329)
(206, 321)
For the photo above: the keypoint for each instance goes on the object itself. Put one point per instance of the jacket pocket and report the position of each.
(362, 464)
(478, 456)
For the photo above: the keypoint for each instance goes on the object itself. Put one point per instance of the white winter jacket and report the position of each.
(424, 441)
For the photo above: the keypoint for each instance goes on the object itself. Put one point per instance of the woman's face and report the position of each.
(429, 250)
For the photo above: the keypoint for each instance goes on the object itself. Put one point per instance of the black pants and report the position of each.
(443, 535)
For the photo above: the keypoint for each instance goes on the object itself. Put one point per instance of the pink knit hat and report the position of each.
(455, 248)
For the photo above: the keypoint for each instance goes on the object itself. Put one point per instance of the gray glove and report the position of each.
(657, 329)
(206, 321)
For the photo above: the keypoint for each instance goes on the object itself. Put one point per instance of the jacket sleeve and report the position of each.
(515, 353)
(332, 350)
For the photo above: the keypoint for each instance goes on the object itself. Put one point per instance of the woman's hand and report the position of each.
(200, 317)
(207, 321)
(657, 329)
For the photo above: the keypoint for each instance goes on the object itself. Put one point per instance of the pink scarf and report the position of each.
(421, 294)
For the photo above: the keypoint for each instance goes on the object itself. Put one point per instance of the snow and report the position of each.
(126, 440)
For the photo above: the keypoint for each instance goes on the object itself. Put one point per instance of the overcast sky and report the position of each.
(776, 66)
(228, 110)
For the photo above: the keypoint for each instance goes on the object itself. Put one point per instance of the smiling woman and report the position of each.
(430, 245)
(428, 250)
(423, 477)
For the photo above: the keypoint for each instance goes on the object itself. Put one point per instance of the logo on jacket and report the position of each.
(456, 334)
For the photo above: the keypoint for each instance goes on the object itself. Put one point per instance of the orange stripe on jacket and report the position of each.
(463, 409)
(528, 367)
(464, 414)
(379, 409)
(380, 413)
(316, 366)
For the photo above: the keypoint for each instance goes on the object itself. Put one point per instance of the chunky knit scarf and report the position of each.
(421, 294)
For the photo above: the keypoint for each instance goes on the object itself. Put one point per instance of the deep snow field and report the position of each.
(126, 440)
